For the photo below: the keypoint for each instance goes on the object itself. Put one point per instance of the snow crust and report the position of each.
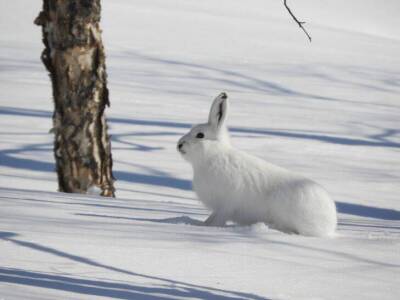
(329, 110)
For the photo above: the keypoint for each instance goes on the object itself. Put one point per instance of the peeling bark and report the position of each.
(74, 57)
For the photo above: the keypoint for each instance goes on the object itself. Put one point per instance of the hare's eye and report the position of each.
(200, 135)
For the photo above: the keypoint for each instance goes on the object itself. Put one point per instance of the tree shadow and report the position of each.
(183, 220)
(114, 289)
(8, 159)
(367, 211)
(381, 139)
(337, 253)
(117, 207)
(165, 288)
(356, 77)
(166, 181)
(363, 224)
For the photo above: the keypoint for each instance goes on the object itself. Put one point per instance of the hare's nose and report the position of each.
(180, 146)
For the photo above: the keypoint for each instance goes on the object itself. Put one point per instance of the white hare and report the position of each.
(245, 189)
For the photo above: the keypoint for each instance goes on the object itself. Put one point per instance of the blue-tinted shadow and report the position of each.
(165, 289)
(379, 140)
(368, 211)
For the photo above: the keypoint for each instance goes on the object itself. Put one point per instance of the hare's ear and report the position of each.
(218, 111)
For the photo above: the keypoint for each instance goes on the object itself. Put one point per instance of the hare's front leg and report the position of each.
(215, 219)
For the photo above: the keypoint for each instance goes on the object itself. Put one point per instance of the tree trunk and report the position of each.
(74, 57)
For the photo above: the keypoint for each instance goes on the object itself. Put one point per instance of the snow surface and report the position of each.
(329, 109)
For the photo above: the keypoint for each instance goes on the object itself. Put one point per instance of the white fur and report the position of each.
(246, 189)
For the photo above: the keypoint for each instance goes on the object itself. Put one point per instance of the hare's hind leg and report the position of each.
(215, 219)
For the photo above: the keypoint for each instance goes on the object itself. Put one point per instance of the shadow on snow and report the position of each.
(367, 211)
(185, 220)
(378, 140)
(8, 158)
(162, 289)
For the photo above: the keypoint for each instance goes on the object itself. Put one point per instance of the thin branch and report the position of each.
(300, 23)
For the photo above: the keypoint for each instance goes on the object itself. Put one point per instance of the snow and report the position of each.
(329, 110)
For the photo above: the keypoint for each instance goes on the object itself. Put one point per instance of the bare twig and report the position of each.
(300, 23)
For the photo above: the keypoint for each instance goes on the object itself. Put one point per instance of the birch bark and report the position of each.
(74, 57)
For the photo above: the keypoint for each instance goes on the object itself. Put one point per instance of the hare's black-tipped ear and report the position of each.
(219, 111)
